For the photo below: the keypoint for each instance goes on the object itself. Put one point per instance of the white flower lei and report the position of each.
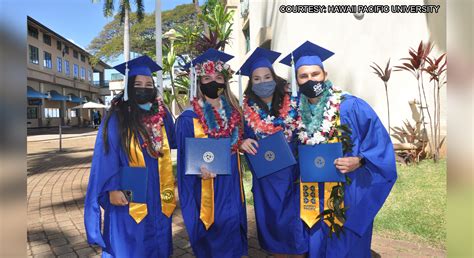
(331, 111)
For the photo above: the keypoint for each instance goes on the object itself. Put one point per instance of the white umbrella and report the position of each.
(91, 104)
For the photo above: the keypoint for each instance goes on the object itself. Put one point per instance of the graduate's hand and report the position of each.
(206, 174)
(117, 198)
(347, 164)
(250, 146)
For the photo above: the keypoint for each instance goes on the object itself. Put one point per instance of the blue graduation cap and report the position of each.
(210, 55)
(142, 65)
(306, 54)
(261, 57)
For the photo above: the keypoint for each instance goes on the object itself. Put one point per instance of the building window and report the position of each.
(76, 71)
(72, 113)
(66, 50)
(83, 58)
(47, 39)
(51, 112)
(75, 54)
(59, 45)
(59, 64)
(34, 55)
(83, 73)
(66, 68)
(48, 63)
(33, 32)
(32, 113)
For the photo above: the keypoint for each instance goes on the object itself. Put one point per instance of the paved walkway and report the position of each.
(57, 183)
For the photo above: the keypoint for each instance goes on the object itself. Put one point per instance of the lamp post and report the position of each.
(158, 44)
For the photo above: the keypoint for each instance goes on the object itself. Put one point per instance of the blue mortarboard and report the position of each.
(142, 65)
(306, 54)
(210, 55)
(261, 57)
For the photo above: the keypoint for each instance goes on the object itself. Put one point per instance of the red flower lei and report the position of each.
(224, 129)
(266, 126)
(153, 124)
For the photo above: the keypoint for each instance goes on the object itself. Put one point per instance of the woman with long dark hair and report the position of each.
(213, 206)
(137, 133)
(268, 109)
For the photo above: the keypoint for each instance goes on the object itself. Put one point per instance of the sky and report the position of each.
(80, 21)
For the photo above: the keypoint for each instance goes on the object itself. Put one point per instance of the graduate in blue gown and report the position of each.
(131, 232)
(214, 113)
(276, 196)
(370, 164)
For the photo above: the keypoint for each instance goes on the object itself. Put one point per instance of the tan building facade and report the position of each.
(60, 77)
(358, 40)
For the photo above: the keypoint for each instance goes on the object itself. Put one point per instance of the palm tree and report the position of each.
(124, 10)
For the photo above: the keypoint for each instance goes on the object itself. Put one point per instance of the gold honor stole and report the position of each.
(138, 211)
(309, 197)
(207, 185)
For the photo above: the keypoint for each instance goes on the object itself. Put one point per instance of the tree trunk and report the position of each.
(196, 6)
(126, 37)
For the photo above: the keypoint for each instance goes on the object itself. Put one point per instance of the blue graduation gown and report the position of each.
(227, 237)
(371, 184)
(122, 236)
(277, 205)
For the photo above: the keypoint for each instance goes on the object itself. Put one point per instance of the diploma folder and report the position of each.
(273, 154)
(212, 153)
(317, 162)
(134, 179)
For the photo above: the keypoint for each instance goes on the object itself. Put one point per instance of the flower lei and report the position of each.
(219, 125)
(153, 121)
(210, 67)
(310, 129)
(264, 124)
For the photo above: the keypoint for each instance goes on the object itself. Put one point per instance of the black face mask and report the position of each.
(144, 95)
(212, 89)
(312, 89)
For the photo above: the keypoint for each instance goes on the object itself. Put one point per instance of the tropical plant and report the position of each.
(168, 99)
(436, 68)
(219, 24)
(415, 65)
(413, 138)
(169, 59)
(384, 75)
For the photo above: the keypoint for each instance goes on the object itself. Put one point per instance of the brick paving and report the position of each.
(57, 183)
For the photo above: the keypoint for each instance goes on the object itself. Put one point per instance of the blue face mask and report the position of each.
(145, 106)
(264, 89)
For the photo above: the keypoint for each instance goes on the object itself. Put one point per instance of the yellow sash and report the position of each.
(207, 185)
(309, 197)
(138, 211)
